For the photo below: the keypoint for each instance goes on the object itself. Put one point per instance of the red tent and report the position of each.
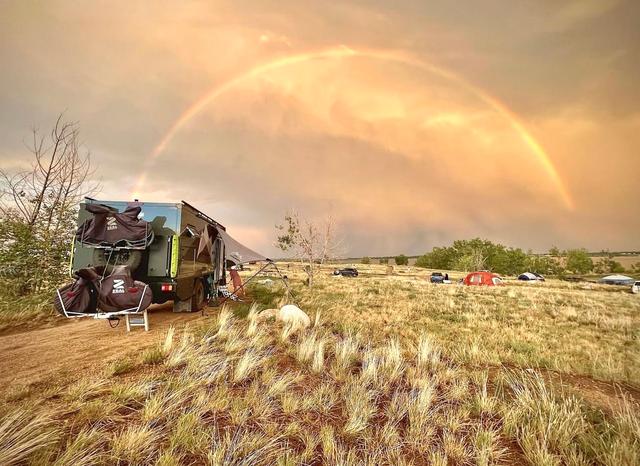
(483, 279)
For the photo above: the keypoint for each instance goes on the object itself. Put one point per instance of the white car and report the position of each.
(635, 288)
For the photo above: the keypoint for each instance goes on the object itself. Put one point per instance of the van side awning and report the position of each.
(237, 252)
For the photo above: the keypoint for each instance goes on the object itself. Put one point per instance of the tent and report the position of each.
(482, 278)
(617, 280)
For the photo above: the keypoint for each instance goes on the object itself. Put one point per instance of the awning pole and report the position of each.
(286, 284)
(245, 282)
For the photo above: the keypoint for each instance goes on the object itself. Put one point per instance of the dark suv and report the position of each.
(346, 272)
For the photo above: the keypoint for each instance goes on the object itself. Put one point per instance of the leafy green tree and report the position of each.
(544, 265)
(555, 252)
(383, 260)
(438, 258)
(470, 262)
(366, 260)
(402, 260)
(509, 261)
(608, 265)
(578, 261)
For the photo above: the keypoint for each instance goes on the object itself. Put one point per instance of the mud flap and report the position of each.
(182, 306)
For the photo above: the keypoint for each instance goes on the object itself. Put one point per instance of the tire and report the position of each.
(198, 300)
(131, 258)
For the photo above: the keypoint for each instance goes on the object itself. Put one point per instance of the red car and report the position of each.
(483, 279)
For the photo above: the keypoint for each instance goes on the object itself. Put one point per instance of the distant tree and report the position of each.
(555, 252)
(366, 260)
(402, 260)
(438, 258)
(578, 261)
(509, 261)
(312, 243)
(472, 260)
(544, 265)
(607, 264)
(383, 260)
(635, 268)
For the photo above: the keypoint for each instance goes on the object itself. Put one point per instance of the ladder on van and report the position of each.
(137, 320)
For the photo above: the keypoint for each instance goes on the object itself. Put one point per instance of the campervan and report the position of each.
(170, 258)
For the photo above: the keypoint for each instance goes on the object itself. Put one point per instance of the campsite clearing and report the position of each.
(393, 369)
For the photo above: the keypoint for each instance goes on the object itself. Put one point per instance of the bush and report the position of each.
(578, 261)
(402, 260)
(438, 258)
(384, 260)
(366, 260)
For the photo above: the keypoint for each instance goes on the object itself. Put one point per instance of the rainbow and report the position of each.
(347, 52)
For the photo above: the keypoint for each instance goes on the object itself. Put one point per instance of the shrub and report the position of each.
(402, 260)
(578, 261)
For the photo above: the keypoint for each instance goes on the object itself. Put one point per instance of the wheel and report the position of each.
(198, 299)
(131, 258)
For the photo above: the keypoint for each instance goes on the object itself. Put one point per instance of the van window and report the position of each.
(497, 281)
(476, 279)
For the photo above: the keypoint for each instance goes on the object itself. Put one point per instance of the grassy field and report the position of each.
(394, 370)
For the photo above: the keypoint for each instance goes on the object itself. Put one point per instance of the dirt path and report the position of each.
(79, 346)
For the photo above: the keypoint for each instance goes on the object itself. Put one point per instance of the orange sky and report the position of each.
(415, 124)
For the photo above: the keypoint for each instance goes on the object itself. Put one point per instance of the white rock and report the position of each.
(292, 314)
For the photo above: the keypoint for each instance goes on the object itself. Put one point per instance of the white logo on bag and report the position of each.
(111, 223)
(118, 286)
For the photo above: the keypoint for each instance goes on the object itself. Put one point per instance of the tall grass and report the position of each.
(387, 392)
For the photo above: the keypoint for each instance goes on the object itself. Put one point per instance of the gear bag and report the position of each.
(81, 296)
(107, 227)
(120, 292)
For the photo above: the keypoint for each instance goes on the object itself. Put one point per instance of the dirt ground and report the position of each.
(69, 349)
(80, 346)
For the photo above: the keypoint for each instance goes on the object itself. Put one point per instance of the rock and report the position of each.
(292, 314)
(288, 314)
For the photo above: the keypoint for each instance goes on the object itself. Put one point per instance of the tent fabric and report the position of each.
(617, 280)
(205, 243)
(482, 278)
(108, 227)
(237, 252)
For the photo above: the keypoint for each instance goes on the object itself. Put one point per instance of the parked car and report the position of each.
(635, 288)
(529, 276)
(346, 272)
(437, 277)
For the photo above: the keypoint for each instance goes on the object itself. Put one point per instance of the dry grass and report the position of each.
(408, 374)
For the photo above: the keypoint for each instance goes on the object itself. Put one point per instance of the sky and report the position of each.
(413, 123)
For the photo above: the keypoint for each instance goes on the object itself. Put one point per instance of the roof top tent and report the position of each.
(183, 261)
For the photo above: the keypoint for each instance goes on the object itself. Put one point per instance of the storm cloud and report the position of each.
(407, 154)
